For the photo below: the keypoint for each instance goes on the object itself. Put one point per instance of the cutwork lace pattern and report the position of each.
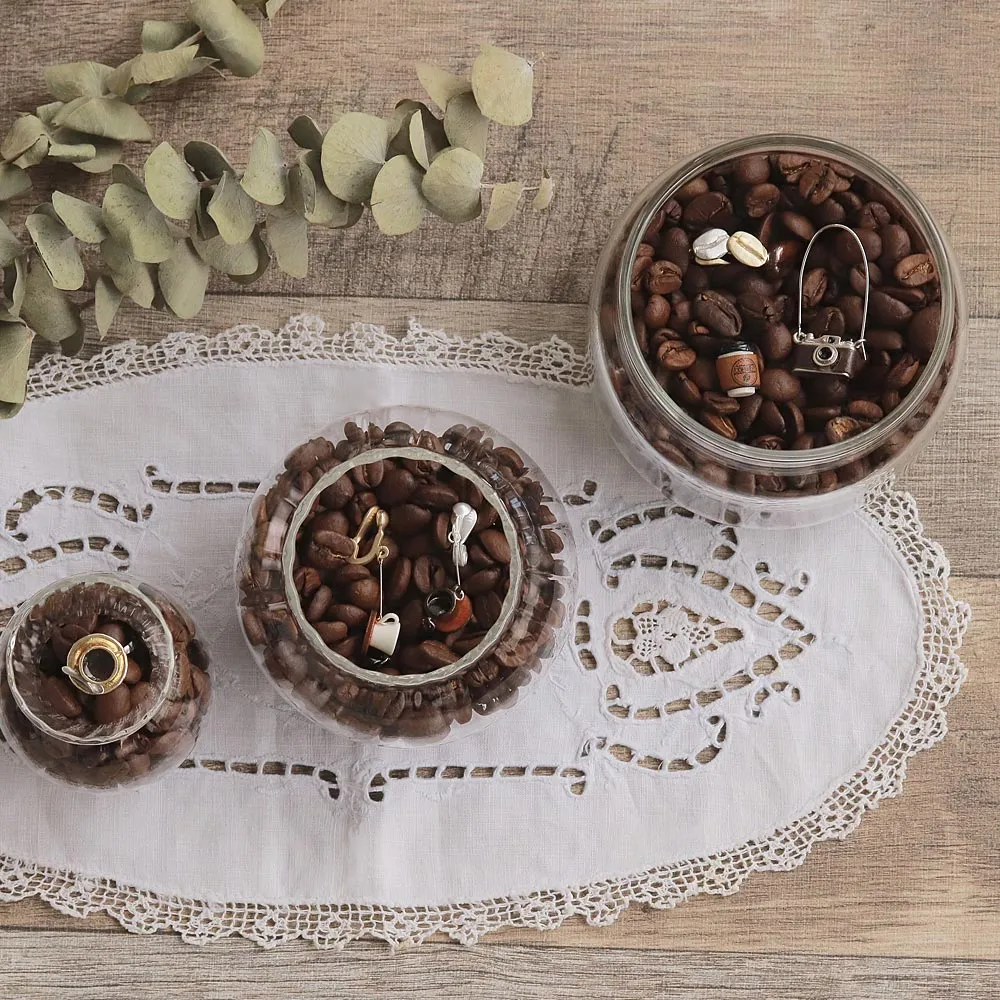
(644, 640)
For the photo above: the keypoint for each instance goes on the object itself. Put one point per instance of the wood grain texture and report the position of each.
(910, 905)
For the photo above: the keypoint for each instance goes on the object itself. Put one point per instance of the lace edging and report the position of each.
(921, 725)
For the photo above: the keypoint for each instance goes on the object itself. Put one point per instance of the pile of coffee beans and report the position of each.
(44, 642)
(337, 597)
(685, 313)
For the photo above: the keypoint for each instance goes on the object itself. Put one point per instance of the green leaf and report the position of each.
(305, 133)
(264, 179)
(183, 278)
(441, 85)
(233, 35)
(353, 153)
(134, 221)
(309, 196)
(263, 263)
(207, 160)
(131, 277)
(397, 202)
(151, 67)
(83, 220)
(23, 134)
(77, 153)
(107, 299)
(158, 36)
(465, 125)
(543, 196)
(504, 200)
(226, 258)
(68, 81)
(502, 83)
(107, 117)
(288, 234)
(13, 182)
(453, 185)
(15, 355)
(109, 152)
(170, 183)
(56, 246)
(46, 309)
(232, 210)
(420, 133)
(10, 246)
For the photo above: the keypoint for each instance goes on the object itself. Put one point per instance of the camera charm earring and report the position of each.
(448, 609)
(826, 354)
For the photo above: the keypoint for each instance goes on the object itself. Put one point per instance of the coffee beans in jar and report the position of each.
(103, 683)
(816, 432)
(404, 575)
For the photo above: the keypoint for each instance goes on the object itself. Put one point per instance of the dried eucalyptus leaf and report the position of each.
(305, 133)
(69, 81)
(134, 221)
(263, 263)
(232, 210)
(441, 86)
(226, 258)
(73, 344)
(302, 188)
(77, 153)
(151, 67)
(46, 309)
(502, 83)
(269, 7)
(157, 36)
(10, 246)
(288, 234)
(353, 153)
(13, 181)
(543, 196)
(15, 355)
(427, 136)
(109, 152)
(23, 134)
(207, 160)
(83, 220)
(465, 125)
(503, 204)
(56, 246)
(264, 179)
(131, 277)
(170, 183)
(138, 93)
(19, 285)
(397, 202)
(107, 117)
(107, 299)
(453, 184)
(123, 174)
(233, 35)
(48, 112)
(183, 278)
(326, 209)
(34, 155)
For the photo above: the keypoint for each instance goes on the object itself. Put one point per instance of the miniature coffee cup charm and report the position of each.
(381, 636)
(97, 664)
(738, 370)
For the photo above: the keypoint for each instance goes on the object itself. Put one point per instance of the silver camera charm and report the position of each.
(826, 356)
(829, 355)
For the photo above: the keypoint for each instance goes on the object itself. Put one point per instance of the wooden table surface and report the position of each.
(909, 906)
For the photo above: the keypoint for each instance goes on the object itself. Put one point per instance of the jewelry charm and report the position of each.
(738, 371)
(382, 631)
(97, 664)
(380, 519)
(747, 249)
(448, 609)
(710, 246)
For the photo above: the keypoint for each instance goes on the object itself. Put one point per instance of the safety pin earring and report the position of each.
(448, 609)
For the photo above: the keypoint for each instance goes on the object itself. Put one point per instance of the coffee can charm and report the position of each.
(738, 370)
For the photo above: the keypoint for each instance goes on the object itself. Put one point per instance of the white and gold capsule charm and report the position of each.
(449, 608)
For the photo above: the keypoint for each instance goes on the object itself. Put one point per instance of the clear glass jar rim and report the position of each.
(733, 453)
(89, 579)
(288, 556)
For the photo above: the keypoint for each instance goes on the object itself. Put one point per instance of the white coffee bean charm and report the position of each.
(747, 249)
(711, 245)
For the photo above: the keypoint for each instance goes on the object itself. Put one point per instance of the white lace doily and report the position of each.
(727, 697)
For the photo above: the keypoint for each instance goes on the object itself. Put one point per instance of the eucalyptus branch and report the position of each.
(156, 238)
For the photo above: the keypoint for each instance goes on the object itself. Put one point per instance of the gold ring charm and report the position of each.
(97, 664)
(381, 520)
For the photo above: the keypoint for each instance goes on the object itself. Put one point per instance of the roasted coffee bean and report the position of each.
(917, 269)
(884, 340)
(779, 385)
(60, 697)
(684, 390)
(794, 419)
(115, 630)
(496, 545)
(675, 246)
(798, 225)
(718, 313)
(761, 310)
(487, 608)
(749, 408)
(922, 332)
(841, 428)
(64, 638)
(133, 673)
(776, 342)
(112, 706)
(720, 403)
(895, 245)
(863, 409)
(783, 258)
(888, 311)
(770, 442)
(691, 190)
(771, 418)
(793, 165)
(481, 582)
(319, 604)
(337, 494)
(408, 519)
(435, 496)
(817, 182)
(760, 200)
(332, 632)
(752, 169)
(814, 284)
(364, 594)
(330, 520)
(828, 322)
(707, 210)
(675, 355)
(903, 372)
(718, 423)
(309, 455)
(423, 573)
(657, 311)
(663, 277)
(396, 487)
(704, 375)
(368, 476)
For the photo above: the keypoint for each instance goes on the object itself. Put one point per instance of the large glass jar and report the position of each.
(802, 468)
(404, 575)
(103, 682)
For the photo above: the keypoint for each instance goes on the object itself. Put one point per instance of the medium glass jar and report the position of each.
(103, 682)
(803, 469)
(404, 575)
